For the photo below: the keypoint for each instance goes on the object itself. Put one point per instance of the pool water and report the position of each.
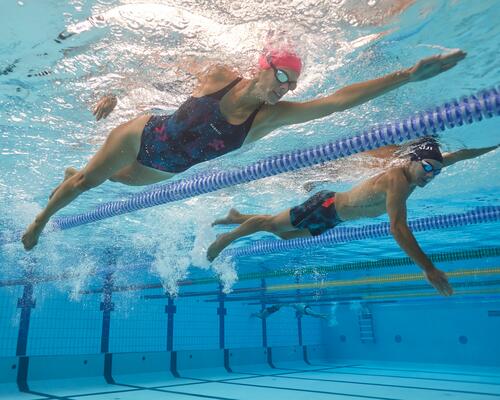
(129, 305)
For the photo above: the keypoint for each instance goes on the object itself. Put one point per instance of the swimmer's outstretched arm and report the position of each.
(104, 106)
(397, 192)
(288, 113)
(332, 168)
(465, 154)
(309, 186)
(202, 71)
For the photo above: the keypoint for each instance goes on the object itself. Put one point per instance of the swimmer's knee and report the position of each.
(266, 223)
(84, 182)
(69, 172)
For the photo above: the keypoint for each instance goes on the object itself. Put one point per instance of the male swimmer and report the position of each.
(301, 309)
(384, 193)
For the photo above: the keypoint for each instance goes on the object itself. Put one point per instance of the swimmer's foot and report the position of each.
(31, 235)
(233, 217)
(68, 173)
(216, 247)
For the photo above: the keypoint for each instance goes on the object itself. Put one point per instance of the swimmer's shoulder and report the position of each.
(218, 74)
(214, 78)
(389, 178)
(264, 122)
(394, 179)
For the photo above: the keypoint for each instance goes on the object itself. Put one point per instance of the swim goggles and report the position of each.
(281, 75)
(428, 167)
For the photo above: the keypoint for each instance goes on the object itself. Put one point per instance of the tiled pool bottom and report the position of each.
(349, 379)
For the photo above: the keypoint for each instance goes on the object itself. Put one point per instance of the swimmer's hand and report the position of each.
(438, 279)
(104, 107)
(432, 66)
(309, 186)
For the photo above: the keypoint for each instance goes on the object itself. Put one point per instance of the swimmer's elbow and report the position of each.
(399, 228)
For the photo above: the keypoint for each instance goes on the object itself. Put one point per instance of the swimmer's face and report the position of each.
(276, 82)
(424, 171)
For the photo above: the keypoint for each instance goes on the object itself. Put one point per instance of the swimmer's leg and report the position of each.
(68, 173)
(293, 234)
(277, 224)
(313, 314)
(119, 150)
(383, 152)
(136, 174)
(233, 217)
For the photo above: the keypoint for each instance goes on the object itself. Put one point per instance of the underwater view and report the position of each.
(242, 200)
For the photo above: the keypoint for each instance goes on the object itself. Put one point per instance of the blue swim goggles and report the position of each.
(281, 75)
(428, 167)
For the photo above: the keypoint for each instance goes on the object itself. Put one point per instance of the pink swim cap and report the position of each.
(281, 59)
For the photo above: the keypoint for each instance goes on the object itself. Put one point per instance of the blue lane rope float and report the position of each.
(349, 234)
(485, 103)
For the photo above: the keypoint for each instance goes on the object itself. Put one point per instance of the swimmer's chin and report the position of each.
(422, 183)
(272, 98)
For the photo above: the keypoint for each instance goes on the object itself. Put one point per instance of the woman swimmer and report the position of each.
(224, 113)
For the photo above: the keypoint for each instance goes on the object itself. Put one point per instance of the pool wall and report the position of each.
(111, 330)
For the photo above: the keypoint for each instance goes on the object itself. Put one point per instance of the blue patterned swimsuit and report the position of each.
(196, 132)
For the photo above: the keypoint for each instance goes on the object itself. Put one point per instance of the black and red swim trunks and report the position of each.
(317, 214)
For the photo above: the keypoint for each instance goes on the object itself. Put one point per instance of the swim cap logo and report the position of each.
(429, 148)
(425, 147)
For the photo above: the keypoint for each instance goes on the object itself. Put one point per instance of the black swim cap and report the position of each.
(426, 148)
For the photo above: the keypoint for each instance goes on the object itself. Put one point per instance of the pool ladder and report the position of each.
(365, 321)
